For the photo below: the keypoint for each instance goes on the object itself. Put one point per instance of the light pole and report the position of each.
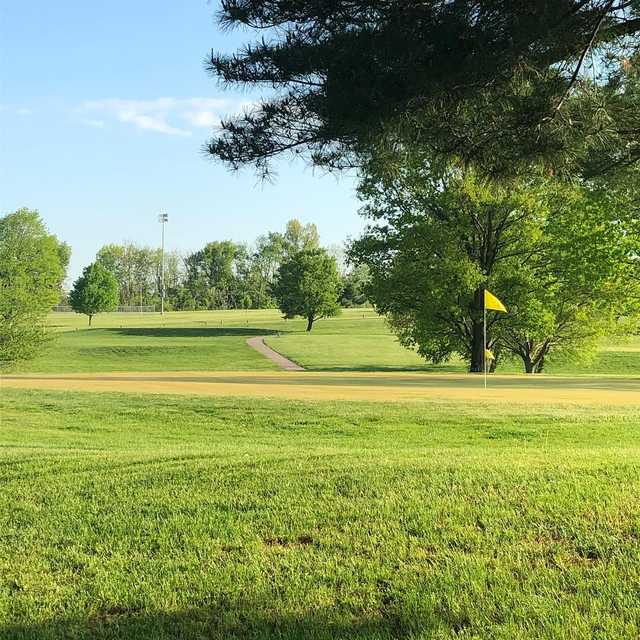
(163, 218)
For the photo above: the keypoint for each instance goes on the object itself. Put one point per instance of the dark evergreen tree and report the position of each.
(495, 82)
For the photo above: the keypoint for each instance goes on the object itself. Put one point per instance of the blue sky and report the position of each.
(104, 108)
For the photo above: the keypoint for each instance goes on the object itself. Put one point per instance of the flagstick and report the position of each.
(484, 344)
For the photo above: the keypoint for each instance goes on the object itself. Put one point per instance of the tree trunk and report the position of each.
(493, 364)
(90, 317)
(538, 364)
(477, 333)
(529, 365)
(477, 348)
(534, 361)
(310, 320)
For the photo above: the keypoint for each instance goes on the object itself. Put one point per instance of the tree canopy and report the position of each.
(210, 274)
(33, 265)
(579, 283)
(308, 285)
(220, 275)
(559, 255)
(496, 82)
(95, 291)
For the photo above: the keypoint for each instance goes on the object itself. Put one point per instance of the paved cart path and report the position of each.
(258, 344)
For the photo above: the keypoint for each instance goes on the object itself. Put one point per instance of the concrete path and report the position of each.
(258, 344)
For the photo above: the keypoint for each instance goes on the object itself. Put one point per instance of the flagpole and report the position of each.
(484, 344)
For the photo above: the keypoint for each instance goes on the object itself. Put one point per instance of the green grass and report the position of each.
(367, 345)
(209, 518)
(357, 340)
(184, 341)
(354, 348)
(148, 342)
(150, 349)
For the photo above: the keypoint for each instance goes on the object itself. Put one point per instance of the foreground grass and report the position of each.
(203, 518)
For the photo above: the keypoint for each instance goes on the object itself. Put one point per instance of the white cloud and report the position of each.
(208, 119)
(171, 116)
(152, 122)
(150, 115)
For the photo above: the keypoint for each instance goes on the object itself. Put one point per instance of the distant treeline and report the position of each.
(221, 275)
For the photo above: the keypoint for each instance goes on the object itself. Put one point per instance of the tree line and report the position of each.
(221, 275)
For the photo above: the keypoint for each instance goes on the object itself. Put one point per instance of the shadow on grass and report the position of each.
(190, 332)
(391, 369)
(215, 623)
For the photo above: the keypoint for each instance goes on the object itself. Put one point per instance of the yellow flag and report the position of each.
(489, 355)
(491, 302)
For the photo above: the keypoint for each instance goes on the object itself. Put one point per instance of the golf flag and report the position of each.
(491, 302)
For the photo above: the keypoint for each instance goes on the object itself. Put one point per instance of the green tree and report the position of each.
(439, 240)
(95, 291)
(308, 285)
(121, 260)
(266, 258)
(496, 82)
(270, 251)
(138, 271)
(211, 277)
(354, 286)
(32, 268)
(300, 237)
(580, 282)
(547, 249)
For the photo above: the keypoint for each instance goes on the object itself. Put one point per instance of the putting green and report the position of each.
(383, 387)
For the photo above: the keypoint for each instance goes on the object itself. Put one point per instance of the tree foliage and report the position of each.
(496, 82)
(33, 264)
(210, 275)
(95, 291)
(300, 237)
(221, 275)
(138, 271)
(354, 286)
(557, 254)
(308, 285)
(580, 284)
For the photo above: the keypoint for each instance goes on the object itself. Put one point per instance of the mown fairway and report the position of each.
(209, 518)
(201, 341)
(357, 340)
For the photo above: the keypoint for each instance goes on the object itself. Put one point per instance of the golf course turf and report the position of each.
(356, 340)
(130, 515)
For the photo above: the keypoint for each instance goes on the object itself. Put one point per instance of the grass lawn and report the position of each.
(149, 342)
(354, 344)
(223, 518)
(187, 341)
(357, 340)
